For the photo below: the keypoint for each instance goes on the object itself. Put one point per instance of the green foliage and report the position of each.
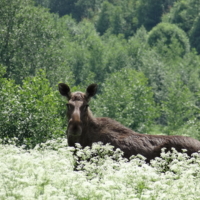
(30, 39)
(189, 128)
(183, 14)
(31, 112)
(127, 98)
(189, 71)
(147, 60)
(179, 106)
(117, 18)
(2, 72)
(149, 13)
(194, 34)
(116, 55)
(86, 9)
(90, 57)
(169, 40)
(180, 78)
(79, 9)
(118, 22)
(152, 65)
(62, 7)
(106, 42)
(104, 21)
(84, 52)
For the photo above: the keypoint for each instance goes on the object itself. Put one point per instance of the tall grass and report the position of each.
(47, 173)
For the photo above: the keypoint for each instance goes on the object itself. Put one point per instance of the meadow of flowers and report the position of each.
(47, 173)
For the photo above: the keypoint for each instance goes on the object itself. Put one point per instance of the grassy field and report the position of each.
(46, 173)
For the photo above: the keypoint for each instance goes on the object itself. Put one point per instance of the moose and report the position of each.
(86, 129)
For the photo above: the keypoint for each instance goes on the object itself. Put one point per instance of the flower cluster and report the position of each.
(47, 172)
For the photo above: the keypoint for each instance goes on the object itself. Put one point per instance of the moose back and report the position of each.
(86, 129)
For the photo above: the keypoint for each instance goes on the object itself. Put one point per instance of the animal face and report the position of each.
(77, 108)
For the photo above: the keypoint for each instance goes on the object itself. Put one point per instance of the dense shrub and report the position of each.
(29, 112)
(44, 173)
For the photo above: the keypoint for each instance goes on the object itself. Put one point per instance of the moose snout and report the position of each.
(74, 127)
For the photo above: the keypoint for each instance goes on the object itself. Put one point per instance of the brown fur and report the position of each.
(85, 129)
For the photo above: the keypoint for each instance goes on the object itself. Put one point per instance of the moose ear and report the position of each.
(64, 90)
(91, 90)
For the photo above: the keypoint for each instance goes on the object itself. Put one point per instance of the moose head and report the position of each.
(77, 107)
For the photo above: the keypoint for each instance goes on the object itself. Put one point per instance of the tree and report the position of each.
(165, 37)
(149, 13)
(115, 55)
(179, 107)
(86, 9)
(30, 38)
(61, 7)
(137, 46)
(118, 22)
(104, 20)
(194, 35)
(183, 14)
(85, 53)
(126, 98)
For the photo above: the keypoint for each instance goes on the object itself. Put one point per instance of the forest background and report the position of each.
(144, 55)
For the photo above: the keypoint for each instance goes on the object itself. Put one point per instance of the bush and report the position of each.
(29, 112)
(91, 160)
(48, 174)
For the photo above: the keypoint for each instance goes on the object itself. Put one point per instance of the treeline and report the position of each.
(144, 55)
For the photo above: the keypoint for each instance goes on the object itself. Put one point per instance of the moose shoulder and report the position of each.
(85, 129)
